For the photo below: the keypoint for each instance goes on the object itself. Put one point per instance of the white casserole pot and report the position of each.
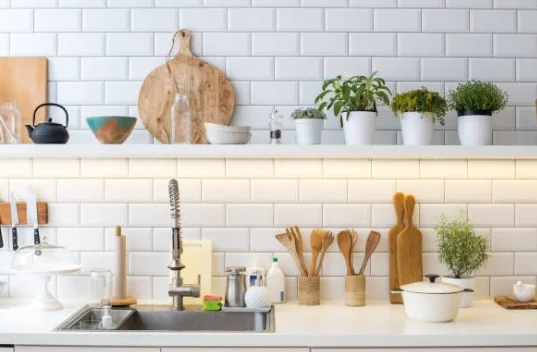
(431, 302)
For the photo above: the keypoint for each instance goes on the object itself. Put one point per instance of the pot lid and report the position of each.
(431, 287)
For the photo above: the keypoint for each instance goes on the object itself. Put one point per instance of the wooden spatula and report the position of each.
(398, 205)
(354, 236)
(300, 246)
(328, 239)
(316, 244)
(344, 242)
(289, 243)
(372, 242)
(409, 248)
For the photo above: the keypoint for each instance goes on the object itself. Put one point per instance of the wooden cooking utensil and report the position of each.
(210, 94)
(328, 239)
(299, 243)
(409, 248)
(344, 242)
(354, 236)
(398, 205)
(23, 80)
(372, 242)
(287, 240)
(316, 244)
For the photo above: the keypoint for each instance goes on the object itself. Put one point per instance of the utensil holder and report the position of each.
(309, 291)
(355, 291)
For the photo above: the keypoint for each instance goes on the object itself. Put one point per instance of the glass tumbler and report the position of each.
(101, 287)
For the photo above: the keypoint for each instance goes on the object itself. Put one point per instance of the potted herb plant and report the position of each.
(419, 109)
(475, 102)
(356, 100)
(463, 251)
(309, 124)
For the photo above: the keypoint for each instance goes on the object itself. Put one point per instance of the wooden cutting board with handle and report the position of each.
(398, 205)
(409, 248)
(23, 80)
(210, 94)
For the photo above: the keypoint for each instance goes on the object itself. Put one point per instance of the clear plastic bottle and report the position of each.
(276, 283)
(180, 120)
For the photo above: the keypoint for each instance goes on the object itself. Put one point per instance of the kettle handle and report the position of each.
(52, 104)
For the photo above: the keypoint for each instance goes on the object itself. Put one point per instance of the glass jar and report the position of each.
(180, 120)
(10, 123)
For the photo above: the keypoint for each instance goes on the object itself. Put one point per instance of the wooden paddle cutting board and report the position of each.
(23, 80)
(398, 205)
(510, 302)
(409, 248)
(210, 94)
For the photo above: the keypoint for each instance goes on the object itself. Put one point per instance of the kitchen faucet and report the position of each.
(176, 289)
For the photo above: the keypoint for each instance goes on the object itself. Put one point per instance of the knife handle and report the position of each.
(37, 239)
(14, 237)
(1, 239)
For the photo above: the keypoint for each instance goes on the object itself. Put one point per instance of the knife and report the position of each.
(14, 221)
(1, 239)
(31, 212)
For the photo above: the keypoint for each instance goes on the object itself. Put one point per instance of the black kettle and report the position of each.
(49, 132)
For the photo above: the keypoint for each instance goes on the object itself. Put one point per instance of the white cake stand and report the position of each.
(44, 300)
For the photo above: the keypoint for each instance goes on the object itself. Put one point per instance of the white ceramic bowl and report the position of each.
(220, 134)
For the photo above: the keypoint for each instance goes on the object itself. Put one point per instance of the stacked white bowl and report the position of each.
(221, 134)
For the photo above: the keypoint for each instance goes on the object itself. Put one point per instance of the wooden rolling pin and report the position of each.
(120, 269)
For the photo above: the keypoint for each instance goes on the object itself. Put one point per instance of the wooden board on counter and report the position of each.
(409, 248)
(23, 80)
(510, 302)
(5, 213)
(210, 95)
(398, 205)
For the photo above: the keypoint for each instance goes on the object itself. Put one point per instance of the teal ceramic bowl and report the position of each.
(111, 129)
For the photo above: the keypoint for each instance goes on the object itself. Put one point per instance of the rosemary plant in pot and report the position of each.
(419, 109)
(463, 251)
(475, 102)
(355, 102)
(309, 125)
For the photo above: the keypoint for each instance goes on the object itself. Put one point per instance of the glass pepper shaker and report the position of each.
(276, 126)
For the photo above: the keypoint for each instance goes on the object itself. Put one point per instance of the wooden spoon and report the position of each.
(372, 242)
(299, 244)
(328, 239)
(287, 240)
(344, 242)
(354, 236)
(316, 244)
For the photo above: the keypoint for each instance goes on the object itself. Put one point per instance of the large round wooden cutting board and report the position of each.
(210, 94)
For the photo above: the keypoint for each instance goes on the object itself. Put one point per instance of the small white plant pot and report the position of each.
(359, 128)
(464, 282)
(475, 129)
(417, 128)
(308, 131)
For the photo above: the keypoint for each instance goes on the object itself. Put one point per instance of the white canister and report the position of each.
(359, 127)
(417, 128)
(308, 131)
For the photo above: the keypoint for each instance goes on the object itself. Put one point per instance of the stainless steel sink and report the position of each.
(155, 318)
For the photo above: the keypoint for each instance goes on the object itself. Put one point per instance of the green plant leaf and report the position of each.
(337, 107)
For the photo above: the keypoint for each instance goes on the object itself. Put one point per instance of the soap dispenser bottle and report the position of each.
(257, 295)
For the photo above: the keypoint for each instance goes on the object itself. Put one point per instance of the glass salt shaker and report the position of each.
(276, 126)
(180, 120)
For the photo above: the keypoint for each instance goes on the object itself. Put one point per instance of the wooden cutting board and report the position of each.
(23, 80)
(398, 205)
(197, 258)
(210, 94)
(409, 248)
(510, 302)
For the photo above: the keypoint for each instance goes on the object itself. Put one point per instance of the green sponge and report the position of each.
(213, 306)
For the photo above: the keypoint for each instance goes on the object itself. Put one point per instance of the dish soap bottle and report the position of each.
(257, 295)
(180, 120)
(276, 283)
(252, 270)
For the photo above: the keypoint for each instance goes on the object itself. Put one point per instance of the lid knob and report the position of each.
(432, 277)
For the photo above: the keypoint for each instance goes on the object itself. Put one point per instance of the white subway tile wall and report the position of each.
(276, 53)
(240, 205)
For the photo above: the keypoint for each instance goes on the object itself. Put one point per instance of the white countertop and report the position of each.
(329, 325)
(257, 151)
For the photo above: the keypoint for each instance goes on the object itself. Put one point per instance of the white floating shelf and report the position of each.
(257, 151)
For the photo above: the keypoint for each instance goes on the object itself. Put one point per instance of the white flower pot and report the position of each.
(417, 128)
(308, 131)
(464, 282)
(475, 130)
(359, 128)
